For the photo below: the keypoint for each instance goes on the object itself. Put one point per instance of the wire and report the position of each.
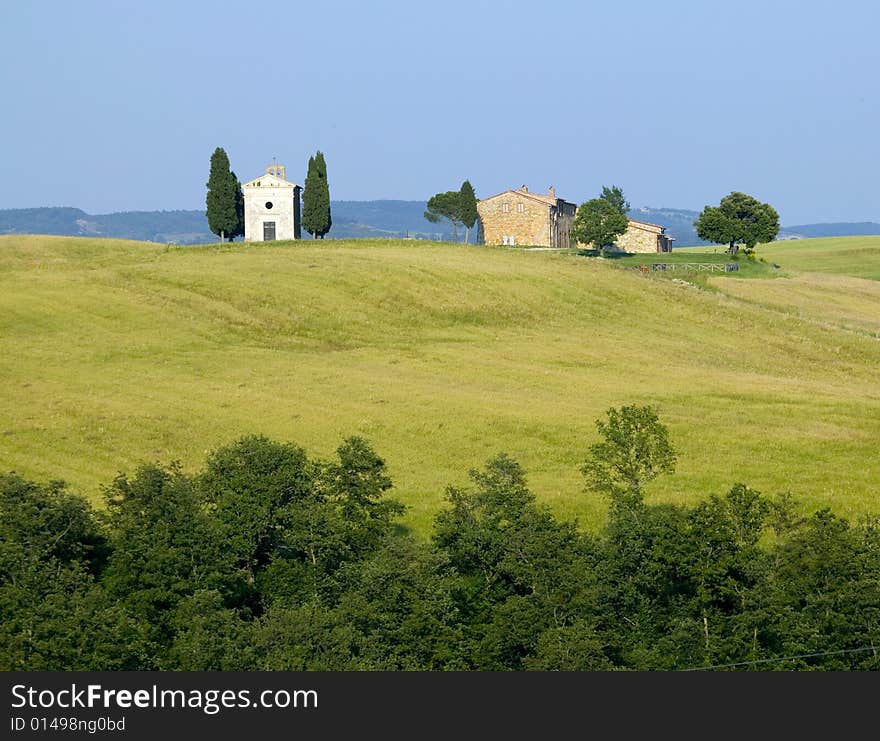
(781, 658)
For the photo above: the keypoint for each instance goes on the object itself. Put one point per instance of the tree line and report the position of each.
(268, 559)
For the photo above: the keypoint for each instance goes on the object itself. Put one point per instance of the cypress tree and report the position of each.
(309, 219)
(220, 200)
(316, 198)
(239, 206)
(468, 208)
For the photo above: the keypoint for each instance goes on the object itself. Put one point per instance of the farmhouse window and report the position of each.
(519, 208)
(505, 207)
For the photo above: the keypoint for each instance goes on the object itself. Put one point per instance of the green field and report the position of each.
(855, 256)
(113, 353)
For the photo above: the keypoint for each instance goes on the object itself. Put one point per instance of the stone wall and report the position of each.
(525, 219)
(639, 238)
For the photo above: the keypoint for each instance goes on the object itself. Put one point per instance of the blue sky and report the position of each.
(118, 106)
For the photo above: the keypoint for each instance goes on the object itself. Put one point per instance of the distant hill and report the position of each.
(351, 219)
(180, 227)
(843, 229)
(388, 218)
(679, 223)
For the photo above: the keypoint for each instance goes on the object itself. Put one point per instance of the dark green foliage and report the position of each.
(54, 614)
(239, 207)
(577, 647)
(342, 519)
(223, 197)
(163, 546)
(468, 205)
(446, 205)
(598, 223)
(522, 572)
(399, 607)
(474, 531)
(210, 637)
(270, 560)
(614, 196)
(251, 488)
(316, 219)
(309, 637)
(356, 484)
(824, 595)
(48, 523)
(738, 219)
(57, 618)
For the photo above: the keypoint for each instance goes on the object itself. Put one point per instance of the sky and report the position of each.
(118, 106)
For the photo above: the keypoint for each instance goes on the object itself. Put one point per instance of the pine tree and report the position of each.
(468, 206)
(316, 198)
(445, 206)
(221, 199)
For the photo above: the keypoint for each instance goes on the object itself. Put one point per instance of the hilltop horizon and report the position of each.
(352, 219)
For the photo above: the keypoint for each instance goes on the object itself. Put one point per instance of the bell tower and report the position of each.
(276, 170)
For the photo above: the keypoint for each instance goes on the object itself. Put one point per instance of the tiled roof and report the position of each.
(646, 223)
(542, 197)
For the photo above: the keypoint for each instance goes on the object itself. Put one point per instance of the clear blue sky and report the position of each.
(114, 106)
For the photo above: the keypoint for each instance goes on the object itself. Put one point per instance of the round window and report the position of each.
(268, 204)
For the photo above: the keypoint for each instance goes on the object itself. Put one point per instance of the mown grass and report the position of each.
(113, 353)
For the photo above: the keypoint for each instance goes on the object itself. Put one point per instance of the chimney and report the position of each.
(552, 192)
(524, 189)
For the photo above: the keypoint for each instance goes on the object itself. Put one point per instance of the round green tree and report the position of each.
(598, 223)
(739, 219)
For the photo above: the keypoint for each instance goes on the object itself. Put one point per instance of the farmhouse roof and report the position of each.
(548, 199)
(646, 223)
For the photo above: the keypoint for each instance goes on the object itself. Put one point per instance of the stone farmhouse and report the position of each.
(519, 217)
(641, 236)
(271, 207)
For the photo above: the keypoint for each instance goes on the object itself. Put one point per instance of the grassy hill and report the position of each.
(441, 355)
